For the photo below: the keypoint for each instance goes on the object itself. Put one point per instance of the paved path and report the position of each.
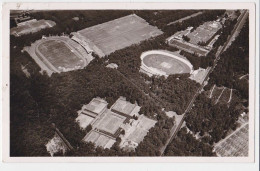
(185, 18)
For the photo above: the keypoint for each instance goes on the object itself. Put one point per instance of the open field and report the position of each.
(31, 27)
(236, 144)
(58, 54)
(118, 34)
(204, 32)
(167, 64)
(164, 63)
(110, 122)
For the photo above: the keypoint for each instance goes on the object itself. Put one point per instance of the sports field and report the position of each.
(137, 131)
(110, 122)
(137, 135)
(31, 27)
(96, 105)
(163, 63)
(99, 139)
(58, 54)
(119, 33)
(123, 106)
(204, 32)
(236, 144)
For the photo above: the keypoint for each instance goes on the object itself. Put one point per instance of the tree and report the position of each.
(186, 38)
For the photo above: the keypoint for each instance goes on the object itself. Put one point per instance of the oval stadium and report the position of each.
(164, 63)
(59, 54)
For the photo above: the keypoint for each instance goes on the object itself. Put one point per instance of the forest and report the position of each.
(213, 121)
(38, 101)
(185, 144)
(233, 63)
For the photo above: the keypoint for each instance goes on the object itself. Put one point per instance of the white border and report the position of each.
(37, 6)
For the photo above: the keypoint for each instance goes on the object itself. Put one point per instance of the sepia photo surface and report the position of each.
(108, 82)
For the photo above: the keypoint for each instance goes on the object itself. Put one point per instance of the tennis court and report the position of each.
(123, 106)
(31, 27)
(110, 122)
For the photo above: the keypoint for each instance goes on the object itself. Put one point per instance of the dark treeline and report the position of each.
(86, 18)
(185, 144)
(199, 61)
(175, 91)
(172, 93)
(38, 101)
(65, 24)
(161, 18)
(194, 21)
(213, 121)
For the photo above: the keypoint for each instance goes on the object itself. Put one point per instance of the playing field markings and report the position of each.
(160, 62)
(58, 54)
(230, 97)
(220, 95)
(166, 65)
(210, 96)
(219, 145)
(117, 34)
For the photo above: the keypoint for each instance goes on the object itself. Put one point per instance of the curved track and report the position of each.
(166, 63)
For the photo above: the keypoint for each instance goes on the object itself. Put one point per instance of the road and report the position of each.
(185, 18)
(238, 26)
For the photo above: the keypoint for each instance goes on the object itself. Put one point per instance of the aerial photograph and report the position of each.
(165, 83)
